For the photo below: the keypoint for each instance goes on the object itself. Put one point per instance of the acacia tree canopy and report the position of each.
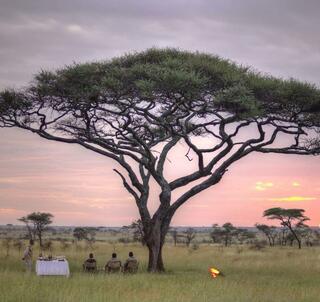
(287, 218)
(136, 108)
(39, 221)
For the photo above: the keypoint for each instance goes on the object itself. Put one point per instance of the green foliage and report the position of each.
(40, 219)
(168, 72)
(239, 99)
(280, 213)
(11, 102)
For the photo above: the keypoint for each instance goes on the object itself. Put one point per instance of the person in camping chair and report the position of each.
(113, 265)
(90, 265)
(131, 264)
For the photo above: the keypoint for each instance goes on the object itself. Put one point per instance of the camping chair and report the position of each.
(90, 266)
(113, 266)
(131, 266)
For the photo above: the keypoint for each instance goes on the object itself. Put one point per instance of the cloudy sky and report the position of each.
(279, 37)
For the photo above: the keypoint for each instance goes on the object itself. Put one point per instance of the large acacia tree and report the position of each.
(136, 108)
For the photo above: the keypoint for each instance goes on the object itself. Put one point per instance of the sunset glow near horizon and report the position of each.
(79, 187)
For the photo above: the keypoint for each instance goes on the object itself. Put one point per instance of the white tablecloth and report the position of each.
(53, 267)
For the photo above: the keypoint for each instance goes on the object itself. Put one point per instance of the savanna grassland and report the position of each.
(279, 274)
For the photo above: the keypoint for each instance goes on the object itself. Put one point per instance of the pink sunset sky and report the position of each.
(79, 187)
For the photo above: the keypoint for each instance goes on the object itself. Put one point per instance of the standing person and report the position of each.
(131, 264)
(113, 265)
(27, 256)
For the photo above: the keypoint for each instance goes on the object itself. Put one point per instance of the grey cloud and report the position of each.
(278, 37)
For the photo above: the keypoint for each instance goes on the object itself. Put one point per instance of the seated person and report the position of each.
(90, 265)
(113, 265)
(131, 264)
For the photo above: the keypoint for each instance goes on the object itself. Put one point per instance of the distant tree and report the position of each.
(317, 236)
(273, 233)
(305, 233)
(225, 233)
(39, 222)
(137, 228)
(229, 232)
(30, 228)
(290, 238)
(283, 235)
(288, 218)
(18, 244)
(215, 234)
(80, 233)
(7, 244)
(245, 236)
(189, 235)
(269, 231)
(85, 233)
(174, 234)
(91, 236)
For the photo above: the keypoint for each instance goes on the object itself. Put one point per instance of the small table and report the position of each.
(52, 268)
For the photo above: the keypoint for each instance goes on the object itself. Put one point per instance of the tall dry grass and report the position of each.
(273, 274)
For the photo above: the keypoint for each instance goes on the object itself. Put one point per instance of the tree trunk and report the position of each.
(226, 240)
(269, 239)
(299, 243)
(40, 239)
(296, 237)
(155, 237)
(29, 233)
(155, 264)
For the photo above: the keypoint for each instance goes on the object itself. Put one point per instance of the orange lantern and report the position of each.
(214, 272)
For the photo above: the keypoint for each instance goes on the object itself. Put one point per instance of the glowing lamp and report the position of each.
(214, 272)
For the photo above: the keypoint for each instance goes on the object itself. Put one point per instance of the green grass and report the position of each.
(274, 274)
